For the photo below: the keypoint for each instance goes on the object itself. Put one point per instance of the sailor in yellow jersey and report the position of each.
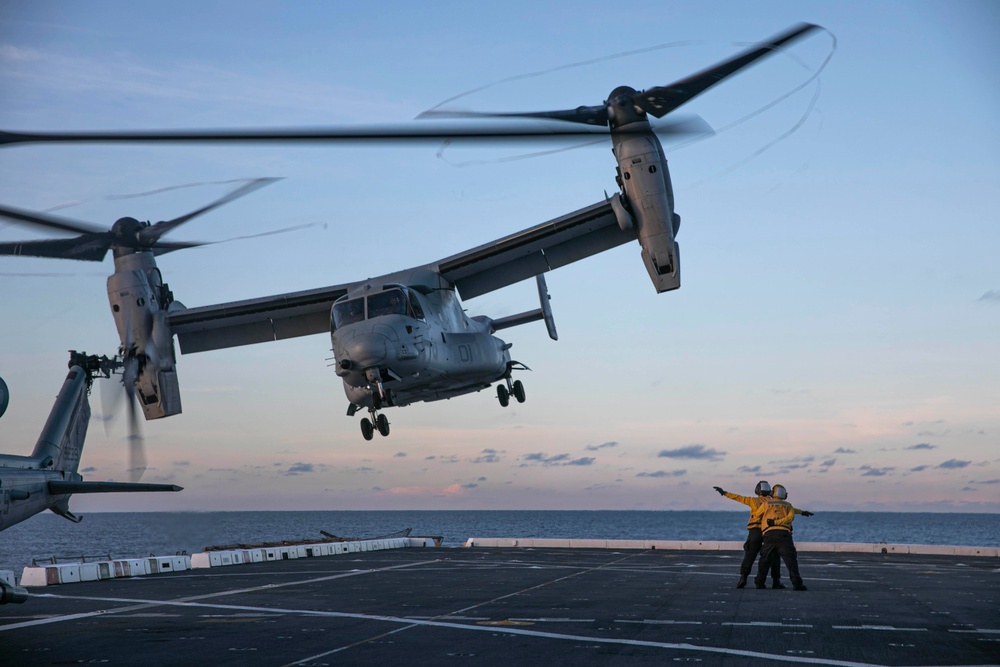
(776, 516)
(755, 535)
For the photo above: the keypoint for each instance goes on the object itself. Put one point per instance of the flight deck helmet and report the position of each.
(779, 492)
(762, 488)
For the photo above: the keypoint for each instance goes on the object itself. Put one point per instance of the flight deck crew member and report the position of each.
(776, 516)
(754, 534)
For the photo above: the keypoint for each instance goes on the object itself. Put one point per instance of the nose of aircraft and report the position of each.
(368, 350)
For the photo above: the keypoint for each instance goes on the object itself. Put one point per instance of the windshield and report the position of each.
(389, 302)
(348, 312)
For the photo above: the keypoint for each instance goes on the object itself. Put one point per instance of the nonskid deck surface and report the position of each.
(441, 606)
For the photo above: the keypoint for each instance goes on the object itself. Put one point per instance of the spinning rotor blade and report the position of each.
(661, 100)
(136, 446)
(340, 134)
(89, 248)
(657, 102)
(126, 233)
(150, 235)
(49, 221)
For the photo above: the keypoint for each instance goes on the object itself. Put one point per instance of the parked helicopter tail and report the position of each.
(47, 478)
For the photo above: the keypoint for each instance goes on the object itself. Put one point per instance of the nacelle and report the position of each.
(139, 301)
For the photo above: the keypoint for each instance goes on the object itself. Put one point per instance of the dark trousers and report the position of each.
(750, 550)
(778, 544)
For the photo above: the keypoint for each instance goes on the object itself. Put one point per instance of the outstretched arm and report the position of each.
(749, 502)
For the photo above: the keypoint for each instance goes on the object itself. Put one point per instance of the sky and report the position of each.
(837, 326)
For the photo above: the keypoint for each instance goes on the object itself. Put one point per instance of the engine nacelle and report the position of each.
(645, 182)
(139, 303)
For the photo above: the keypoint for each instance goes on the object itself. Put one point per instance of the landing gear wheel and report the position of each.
(367, 429)
(383, 425)
(518, 391)
(503, 395)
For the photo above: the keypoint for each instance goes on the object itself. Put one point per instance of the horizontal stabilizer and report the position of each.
(518, 320)
(543, 313)
(61, 488)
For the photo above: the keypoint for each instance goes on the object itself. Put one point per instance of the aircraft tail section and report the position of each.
(61, 441)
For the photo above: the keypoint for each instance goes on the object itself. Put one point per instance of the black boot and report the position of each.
(742, 582)
(776, 583)
(799, 587)
(759, 584)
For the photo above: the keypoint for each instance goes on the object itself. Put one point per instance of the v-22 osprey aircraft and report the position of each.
(402, 337)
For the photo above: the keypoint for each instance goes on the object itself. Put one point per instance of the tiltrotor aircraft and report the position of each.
(403, 337)
(47, 478)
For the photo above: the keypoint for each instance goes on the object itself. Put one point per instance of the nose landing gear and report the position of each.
(380, 396)
(377, 421)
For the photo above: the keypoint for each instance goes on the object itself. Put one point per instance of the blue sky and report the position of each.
(836, 330)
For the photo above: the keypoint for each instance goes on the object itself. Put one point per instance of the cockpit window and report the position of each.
(348, 312)
(389, 302)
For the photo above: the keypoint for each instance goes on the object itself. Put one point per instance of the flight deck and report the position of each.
(524, 605)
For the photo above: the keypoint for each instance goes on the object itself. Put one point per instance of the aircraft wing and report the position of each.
(534, 251)
(255, 320)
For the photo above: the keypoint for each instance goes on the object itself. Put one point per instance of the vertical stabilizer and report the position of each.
(61, 441)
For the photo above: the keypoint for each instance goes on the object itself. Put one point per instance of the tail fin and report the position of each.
(61, 441)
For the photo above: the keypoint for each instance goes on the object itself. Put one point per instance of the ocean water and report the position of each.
(135, 534)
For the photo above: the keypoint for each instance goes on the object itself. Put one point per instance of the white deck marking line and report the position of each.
(554, 620)
(979, 630)
(877, 627)
(409, 623)
(480, 604)
(651, 621)
(767, 624)
(146, 604)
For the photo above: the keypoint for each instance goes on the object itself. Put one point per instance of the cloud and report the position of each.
(299, 468)
(557, 459)
(748, 469)
(488, 456)
(987, 481)
(919, 468)
(875, 472)
(798, 463)
(953, 464)
(603, 445)
(922, 445)
(12, 53)
(842, 450)
(399, 455)
(692, 452)
(662, 473)
(89, 469)
(827, 463)
(182, 463)
(540, 457)
(470, 485)
(993, 296)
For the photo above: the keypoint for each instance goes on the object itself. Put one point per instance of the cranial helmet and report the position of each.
(762, 488)
(779, 492)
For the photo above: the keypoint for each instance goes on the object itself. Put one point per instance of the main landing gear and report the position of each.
(515, 389)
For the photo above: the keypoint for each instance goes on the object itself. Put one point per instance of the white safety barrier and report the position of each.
(678, 545)
(50, 575)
